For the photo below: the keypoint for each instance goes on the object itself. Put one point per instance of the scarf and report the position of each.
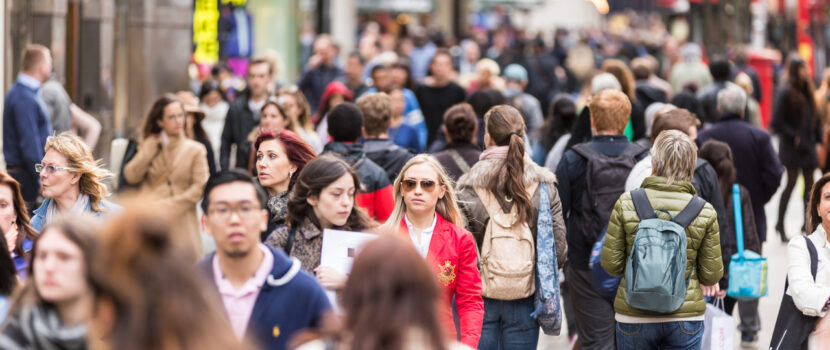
(494, 152)
(81, 205)
(39, 326)
(278, 206)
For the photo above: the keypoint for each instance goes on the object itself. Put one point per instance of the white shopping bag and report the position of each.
(718, 328)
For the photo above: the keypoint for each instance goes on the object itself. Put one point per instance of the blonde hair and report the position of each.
(79, 157)
(673, 156)
(447, 206)
(609, 110)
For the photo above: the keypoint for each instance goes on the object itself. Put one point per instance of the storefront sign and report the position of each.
(206, 31)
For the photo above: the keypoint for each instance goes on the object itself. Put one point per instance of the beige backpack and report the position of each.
(507, 253)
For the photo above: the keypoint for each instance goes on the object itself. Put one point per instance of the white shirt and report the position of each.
(638, 173)
(422, 245)
(255, 107)
(809, 296)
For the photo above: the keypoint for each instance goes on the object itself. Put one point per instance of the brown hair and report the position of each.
(81, 230)
(610, 110)
(304, 119)
(813, 219)
(262, 60)
(506, 127)
(620, 71)
(24, 230)
(460, 122)
(157, 297)
(377, 112)
(675, 119)
(32, 56)
(316, 175)
(641, 68)
(391, 282)
(157, 113)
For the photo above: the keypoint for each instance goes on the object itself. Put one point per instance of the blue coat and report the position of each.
(291, 300)
(25, 129)
(39, 216)
(758, 166)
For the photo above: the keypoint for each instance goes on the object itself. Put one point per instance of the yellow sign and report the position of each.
(206, 31)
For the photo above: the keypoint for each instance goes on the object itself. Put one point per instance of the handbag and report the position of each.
(747, 269)
(718, 327)
(548, 310)
(792, 327)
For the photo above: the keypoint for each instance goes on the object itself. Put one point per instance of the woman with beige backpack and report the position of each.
(171, 168)
(501, 196)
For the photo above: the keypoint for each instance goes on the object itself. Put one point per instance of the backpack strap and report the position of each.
(459, 161)
(633, 150)
(642, 204)
(690, 212)
(291, 233)
(586, 151)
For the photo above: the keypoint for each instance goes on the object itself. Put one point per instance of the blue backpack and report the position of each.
(603, 282)
(655, 270)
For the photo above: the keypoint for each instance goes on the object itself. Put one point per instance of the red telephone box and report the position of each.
(763, 61)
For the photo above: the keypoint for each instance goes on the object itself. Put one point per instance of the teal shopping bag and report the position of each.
(747, 269)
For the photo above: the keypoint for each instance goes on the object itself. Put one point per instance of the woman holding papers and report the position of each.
(323, 198)
(426, 212)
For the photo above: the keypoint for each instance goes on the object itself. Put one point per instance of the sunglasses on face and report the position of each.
(426, 185)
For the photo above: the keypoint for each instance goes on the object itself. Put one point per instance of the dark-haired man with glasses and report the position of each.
(266, 295)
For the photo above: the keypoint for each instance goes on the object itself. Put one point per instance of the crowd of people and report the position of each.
(494, 182)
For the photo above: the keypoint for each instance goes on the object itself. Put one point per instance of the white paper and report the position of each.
(338, 252)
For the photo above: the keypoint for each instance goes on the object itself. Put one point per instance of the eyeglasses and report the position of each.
(175, 116)
(223, 212)
(50, 169)
(409, 185)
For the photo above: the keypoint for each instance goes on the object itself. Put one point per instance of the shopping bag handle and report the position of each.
(739, 224)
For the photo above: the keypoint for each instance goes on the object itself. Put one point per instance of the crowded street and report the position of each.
(415, 174)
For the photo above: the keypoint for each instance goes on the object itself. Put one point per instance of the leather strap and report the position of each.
(459, 161)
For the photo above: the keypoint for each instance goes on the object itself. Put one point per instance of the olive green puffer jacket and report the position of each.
(703, 244)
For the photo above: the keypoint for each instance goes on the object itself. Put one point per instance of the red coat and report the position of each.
(452, 255)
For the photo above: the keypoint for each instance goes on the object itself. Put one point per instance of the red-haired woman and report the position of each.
(279, 158)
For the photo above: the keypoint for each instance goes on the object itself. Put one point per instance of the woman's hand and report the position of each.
(329, 278)
(712, 291)
(11, 237)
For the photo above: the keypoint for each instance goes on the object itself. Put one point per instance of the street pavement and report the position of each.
(776, 253)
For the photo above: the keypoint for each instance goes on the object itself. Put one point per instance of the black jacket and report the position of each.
(706, 184)
(794, 117)
(708, 98)
(648, 94)
(759, 169)
(388, 155)
(469, 152)
(376, 195)
(238, 124)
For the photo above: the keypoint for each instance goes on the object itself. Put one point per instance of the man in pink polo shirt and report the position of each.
(266, 295)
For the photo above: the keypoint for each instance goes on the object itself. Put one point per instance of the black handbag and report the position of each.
(792, 327)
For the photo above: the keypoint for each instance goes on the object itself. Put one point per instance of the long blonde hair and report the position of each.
(447, 206)
(79, 157)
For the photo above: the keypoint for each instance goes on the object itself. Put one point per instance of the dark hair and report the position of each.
(484, 99)
(390, 281)
(227, 176)
(720, 69)
(506, 127)
(298, 152)
(561, 120)
(720, 156)
(813, 219)
(460, 122)
(157, 113)
(378, 67)
(8, 271)
(440, 52)
(319, 173)
(403, 63)
(25, 230)
(345, 122)
(801, 98)
(359, 58)
(687, 100)
(210, 86)
(157, 297)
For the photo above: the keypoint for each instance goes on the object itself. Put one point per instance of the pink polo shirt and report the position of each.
(239, 303)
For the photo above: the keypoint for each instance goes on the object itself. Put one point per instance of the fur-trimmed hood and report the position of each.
(483, 171)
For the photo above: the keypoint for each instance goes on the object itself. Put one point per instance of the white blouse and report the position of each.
(809, 296)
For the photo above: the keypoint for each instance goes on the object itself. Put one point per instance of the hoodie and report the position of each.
(376, 194)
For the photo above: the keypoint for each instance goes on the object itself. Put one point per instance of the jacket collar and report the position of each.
(658, 183)
(376, 145)
(439, 236)
(819, 237)
(29, 81)
(309, 229)
(284, 269)
(351, 153)
(729, 116)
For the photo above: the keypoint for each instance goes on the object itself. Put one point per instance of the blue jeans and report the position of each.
(508, 325)
(682, 335)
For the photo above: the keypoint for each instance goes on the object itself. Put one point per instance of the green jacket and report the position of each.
(703, 244)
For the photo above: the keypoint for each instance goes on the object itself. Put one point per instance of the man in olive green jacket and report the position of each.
(674, 157)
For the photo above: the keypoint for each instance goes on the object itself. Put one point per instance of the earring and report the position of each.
(290, 174)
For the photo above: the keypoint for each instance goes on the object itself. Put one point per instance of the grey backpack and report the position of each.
(655, 270)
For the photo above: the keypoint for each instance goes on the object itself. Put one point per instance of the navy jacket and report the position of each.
(238, 124)
(758, 166)
(291, 300)
(25, 128)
